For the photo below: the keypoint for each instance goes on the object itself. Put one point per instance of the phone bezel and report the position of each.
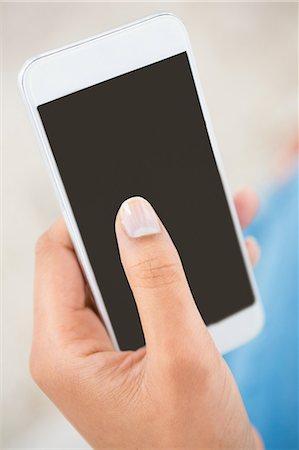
(106, 56)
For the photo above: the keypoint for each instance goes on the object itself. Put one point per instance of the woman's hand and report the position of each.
(175, 392)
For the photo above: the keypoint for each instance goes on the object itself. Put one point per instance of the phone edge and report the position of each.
(69, 217)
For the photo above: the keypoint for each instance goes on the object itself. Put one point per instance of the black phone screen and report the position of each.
(143, 133)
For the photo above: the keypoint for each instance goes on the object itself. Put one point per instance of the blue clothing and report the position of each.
(266, 369)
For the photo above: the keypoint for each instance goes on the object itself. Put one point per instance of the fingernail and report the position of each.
(139, 218)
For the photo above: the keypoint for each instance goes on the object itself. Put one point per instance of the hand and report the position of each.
(175, 392)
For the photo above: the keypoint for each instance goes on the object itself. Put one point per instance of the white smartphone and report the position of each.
(123, 114)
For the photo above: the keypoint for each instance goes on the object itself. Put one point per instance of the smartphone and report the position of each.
(123, 114)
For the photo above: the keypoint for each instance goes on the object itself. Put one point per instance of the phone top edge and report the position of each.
(30, 61)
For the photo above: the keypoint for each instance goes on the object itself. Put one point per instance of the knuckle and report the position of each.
(183, 364)
(44, 370)
(155, 272)
(42, 244)
(181, 361)
(54, 371)
(37, 370)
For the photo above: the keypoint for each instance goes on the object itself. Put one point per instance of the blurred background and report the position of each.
(247, 59)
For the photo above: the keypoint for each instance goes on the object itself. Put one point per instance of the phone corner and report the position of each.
(260, 318)
(170, 16)
(23, 72)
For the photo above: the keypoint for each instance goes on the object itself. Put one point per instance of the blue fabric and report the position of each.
(266, 369)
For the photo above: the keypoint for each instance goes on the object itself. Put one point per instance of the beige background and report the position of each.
(247, 58)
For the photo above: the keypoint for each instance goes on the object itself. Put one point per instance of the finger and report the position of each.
(60, 293)
(153, 268)
(246, 203)
(253, 249)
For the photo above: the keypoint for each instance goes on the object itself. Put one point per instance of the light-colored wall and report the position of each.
(247, 58)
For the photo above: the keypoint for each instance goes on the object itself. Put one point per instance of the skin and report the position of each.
(177, 392)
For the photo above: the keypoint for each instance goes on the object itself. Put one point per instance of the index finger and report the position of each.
(60, 314)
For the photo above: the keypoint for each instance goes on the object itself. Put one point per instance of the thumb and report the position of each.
(167, 311)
